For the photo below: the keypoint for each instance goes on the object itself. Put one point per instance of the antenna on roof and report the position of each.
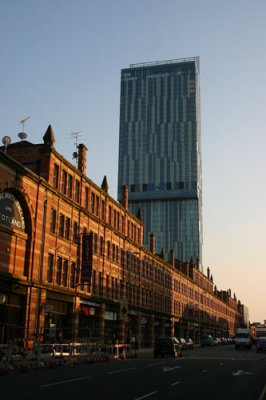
(76, 135)
(22, 135)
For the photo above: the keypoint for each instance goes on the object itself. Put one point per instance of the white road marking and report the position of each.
(221, 364)
(120, 370)
(63, 382)
(205, 370)
(241, 372)
(145, 396)
(175, 383)
(155, 364)
(167, 369)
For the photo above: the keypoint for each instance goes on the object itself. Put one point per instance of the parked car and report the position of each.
(217, 341)
(167, 346)
(189, 343)
(261, 344)
(182, 342)
(206, 340)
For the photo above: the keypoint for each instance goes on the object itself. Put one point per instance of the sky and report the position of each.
(61, 62)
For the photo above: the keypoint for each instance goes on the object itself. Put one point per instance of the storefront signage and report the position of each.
(89, 311)
(87, 251)
(89, 303)
(11, 213)
(110, 315)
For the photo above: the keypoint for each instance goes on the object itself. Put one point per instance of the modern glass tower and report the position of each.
(160, 153)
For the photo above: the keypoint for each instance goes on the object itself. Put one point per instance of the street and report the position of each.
(216, 373)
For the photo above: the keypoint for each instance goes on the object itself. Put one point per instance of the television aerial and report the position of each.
(76, 135)
(23, 135)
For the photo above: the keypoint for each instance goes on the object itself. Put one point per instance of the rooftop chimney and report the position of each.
(82, 158)
(152, 243)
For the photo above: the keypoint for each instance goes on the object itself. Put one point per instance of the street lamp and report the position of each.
(129, 300)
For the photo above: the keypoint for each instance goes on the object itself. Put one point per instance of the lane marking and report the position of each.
(167, 369)
(205, 370)
(63, 382)
(121, 370)
(241, 372)
(146, 395)
(155, 364)
(175, 383)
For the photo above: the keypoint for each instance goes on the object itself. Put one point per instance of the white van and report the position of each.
(243, 338)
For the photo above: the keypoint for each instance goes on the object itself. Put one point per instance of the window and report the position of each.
(56, 176)
(110, 215)
(97, 205)
(107, 286)
(113, 252)
(61, 225)
(103, 209)
(70, 186)
(95, 242)
(86, 202)
(73, 275)
(77, 191)
(67, 228)
(108, 249)
(100, 283)
(75, 232)
(53, 221)
(59, 270)
(65, 273)
(93, 202)
(101, 246)
(64, 182)
(50, 268)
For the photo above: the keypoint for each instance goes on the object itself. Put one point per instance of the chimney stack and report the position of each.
(82, 158)
(152, 243)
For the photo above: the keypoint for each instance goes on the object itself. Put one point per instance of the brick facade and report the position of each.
(128, 289)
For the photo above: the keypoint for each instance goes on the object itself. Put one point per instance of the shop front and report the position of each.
(58, 320)
(89, 321)
(12, 317)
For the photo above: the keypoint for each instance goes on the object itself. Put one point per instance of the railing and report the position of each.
(13, 357)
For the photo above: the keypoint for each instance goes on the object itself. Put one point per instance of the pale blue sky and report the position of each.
(61, 62)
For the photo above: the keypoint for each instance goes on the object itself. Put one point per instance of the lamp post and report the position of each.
(132, 339)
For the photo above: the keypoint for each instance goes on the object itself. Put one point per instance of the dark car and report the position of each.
(206, 340)
(167, 346)
(261, 344)
(189, 343)
(182, 341)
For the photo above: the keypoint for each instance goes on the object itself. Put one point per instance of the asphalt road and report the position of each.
(219, 373)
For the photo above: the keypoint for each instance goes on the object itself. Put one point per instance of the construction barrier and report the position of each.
(14, 357)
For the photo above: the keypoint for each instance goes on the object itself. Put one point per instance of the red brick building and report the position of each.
(73, 262)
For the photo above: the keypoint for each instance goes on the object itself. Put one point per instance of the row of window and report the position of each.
(152, 187)
(60, 273)
(71, 187)
(64, 274)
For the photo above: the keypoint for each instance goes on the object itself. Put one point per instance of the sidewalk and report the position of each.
(145, 352)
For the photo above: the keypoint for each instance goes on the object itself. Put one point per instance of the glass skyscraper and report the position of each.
(160, 153)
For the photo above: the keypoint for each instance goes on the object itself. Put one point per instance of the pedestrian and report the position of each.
(133, 345)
